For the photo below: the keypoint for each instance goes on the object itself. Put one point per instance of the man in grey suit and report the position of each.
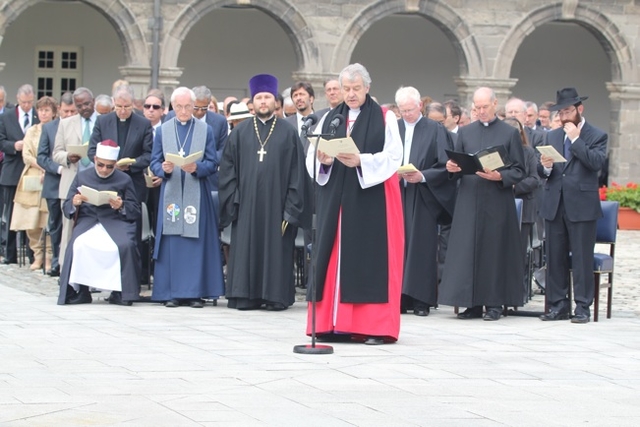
(571, 208)
(51, 183)
(302, 95)
(13, 125)
(517, 108)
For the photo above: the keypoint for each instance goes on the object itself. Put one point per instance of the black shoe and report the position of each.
(172, 303)
(471, 313)
(275, 307)
(7, 261)
(334, 337)
(54, 272)
(492, 314)
(421, 311)
(196, 303)
(116, 298)
(580, 318)
(555, 315)
(82, 297)
(374, 341)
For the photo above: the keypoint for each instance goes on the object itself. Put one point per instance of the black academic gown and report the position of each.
(483, 264)
(120, 225)
(255, 198)
(425, 205)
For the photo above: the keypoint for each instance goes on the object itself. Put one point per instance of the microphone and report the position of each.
(307, 122)
(337, 121)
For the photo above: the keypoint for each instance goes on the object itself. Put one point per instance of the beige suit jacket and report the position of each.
(69, 133)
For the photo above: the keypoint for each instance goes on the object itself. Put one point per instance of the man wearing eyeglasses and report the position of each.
(217, 121)
(571, 207)
(103, 250)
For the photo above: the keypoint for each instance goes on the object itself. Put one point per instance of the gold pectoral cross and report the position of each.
(261, 152)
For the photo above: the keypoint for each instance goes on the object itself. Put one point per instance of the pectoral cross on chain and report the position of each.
(181, 152)
(261, 152)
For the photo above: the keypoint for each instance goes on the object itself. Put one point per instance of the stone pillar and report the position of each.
(317, 82)
(624, 132)
(139, 77)
(468, 85)
(169, 80)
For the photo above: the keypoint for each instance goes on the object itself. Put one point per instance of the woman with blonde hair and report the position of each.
(30, 209)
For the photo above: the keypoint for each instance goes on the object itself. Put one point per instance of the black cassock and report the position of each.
(255, 197)
(484, 263)
(425, 205)
(120, 225)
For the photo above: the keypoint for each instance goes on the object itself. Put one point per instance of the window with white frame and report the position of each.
(58, 69)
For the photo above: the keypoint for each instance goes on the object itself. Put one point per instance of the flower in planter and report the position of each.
(628, 196)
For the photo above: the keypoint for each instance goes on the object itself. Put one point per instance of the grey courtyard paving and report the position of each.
(147, 365)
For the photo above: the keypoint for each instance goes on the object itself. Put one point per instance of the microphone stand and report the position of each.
(313, 348)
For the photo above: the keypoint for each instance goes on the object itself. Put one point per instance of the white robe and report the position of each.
(96, 261)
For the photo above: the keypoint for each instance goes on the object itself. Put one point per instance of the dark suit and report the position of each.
(50, 187)
(12, 166)
(535, 136)
(220, 132)
(571, 208)
(137, 145)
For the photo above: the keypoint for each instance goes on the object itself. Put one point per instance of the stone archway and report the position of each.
(116, 12)
(470, 59)
(284, 13)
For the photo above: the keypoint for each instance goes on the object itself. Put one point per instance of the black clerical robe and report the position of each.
(425, 205)
(484, 264)
(120, 225)
(257, 193)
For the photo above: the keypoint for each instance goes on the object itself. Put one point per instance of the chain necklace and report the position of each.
(262, 151)
(181, 146)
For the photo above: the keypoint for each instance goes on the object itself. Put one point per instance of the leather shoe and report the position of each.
(54, 272)
(471, 313)
(422, 312)
(7, 261)
(374, 341)
(196, 303)
(492, 314)
(555, 315)
(116, 298)
(276, 306)
(82, 297)
(172, 303)
(580, 318)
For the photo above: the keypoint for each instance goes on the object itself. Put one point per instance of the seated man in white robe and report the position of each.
(103, 252)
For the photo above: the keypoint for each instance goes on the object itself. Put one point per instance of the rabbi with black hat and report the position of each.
(571, 207)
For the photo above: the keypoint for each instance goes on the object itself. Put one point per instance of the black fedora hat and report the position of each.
(566, 97)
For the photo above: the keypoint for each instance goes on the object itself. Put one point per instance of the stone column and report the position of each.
(139, 77)
(317, 82)
(468, 85)
(169, 80)
(624, 132)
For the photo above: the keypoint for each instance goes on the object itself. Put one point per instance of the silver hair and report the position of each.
(407, 94)
(25, 90)
(66, 98)
(104, 100)
(437, 107)
(518, 101)
(352, 71)
(530, 104)
(81, 91)
(124, 91)
(182, 90)
(202, 92)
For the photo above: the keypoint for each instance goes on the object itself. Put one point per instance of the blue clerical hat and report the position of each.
(263, 83)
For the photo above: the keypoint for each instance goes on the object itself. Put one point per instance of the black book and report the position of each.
(494, 158)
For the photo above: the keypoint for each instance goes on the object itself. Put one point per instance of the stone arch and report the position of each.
(469, 56)
(116, 12)
(596, 22)
(284, 13)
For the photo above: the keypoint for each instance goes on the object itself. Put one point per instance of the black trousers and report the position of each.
(55, 230)
(8, 236)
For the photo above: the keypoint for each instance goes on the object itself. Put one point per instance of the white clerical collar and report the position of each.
(410, 125)
(183, 123)
(489, 122)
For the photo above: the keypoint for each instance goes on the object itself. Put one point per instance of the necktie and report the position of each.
(567, 148)
(26, 122)
(86, 136)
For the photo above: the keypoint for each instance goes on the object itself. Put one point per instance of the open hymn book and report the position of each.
(333, 147)
(79, 150)
(178, 160)
(96, 197)
(493, 158)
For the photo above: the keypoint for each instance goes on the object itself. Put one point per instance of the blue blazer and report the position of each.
(576, 180)
(51, 184)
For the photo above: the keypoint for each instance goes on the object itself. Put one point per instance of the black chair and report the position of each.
(148, 238)
(300, 259)
(603, 263)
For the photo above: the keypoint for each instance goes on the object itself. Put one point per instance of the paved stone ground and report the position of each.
(148, 365)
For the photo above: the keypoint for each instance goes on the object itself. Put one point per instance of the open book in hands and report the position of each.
(493, 158)
(179, 161)
(96, 197)
(78, 150)
(333, 147)
(125, 161)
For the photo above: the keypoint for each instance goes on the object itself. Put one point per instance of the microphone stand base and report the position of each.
(313, 349)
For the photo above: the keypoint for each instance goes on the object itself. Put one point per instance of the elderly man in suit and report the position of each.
(571, 207)
(13, 125)
(51, 183)
(73, 131)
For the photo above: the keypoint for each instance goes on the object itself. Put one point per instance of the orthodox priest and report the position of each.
(360, 238)
(484, 264)
(188, 264)
(262, 195)
(103, 251)
(428, 198)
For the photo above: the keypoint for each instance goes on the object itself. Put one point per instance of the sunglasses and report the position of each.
(152, 106)
(201, 108)
(102, 165)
